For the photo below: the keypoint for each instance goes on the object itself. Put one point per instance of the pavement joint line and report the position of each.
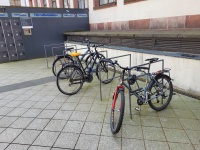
(25, 84)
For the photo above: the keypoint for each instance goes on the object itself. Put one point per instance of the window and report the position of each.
(65, 4)
(82, 4)
(131, 1)
(30, 3)
(44, 3)
(15, 3)
(102, 2)
(54, 4)
(38, 3)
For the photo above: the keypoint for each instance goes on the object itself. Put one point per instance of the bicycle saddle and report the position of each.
(152, 59)
(75, 54)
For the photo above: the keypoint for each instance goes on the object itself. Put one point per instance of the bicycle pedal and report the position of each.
(138, 108)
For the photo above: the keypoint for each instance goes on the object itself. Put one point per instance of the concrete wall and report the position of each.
(184, 72)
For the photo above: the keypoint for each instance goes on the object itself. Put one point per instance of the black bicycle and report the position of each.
(62, 60)
(71, 77)
(157, 92)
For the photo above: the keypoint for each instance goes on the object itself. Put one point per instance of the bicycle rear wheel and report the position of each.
(70, 80)
(162, 90)
(117, 111)
(60, 62)
(105, 72)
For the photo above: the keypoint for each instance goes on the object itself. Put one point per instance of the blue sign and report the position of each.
(82, 15)
(69, 15)
(44, 15)
(19, 14)
(3, 14)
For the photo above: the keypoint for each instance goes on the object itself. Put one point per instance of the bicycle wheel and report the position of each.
(105, 72)
(162, 90)
(70, 80)
(60, 62)
(117, 112)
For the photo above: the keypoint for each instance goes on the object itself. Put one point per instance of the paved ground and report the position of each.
(34, 115)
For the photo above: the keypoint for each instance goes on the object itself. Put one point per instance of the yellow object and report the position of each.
(75, 54)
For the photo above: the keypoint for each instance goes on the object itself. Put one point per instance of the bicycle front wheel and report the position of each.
(161, 91)
(105, 72)
(70, 80)
(117, 111)
(60, 62)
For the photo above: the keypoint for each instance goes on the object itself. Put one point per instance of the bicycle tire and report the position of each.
(73, 76)
(120, 99)
(105, 72)
(88, 58)
(60, 62)
(157, 104)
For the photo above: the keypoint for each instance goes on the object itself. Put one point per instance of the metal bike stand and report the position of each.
(116, 77)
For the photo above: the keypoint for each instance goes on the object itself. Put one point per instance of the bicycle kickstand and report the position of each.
(138, 108)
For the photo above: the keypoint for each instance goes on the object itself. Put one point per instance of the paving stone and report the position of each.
(47, 114)
(39, 148)
(128, 144)
(9, 135)
(136, 120)
(48, 98)
(194, 136)
(55, 125)
(83, 107)
(172, 123)
(11, 96)
(92, 128)
(131, 131)
(196, 113)
(54, 105)
(176, 135)
(61, 98)
(79, 116)
(190, 124)
(89, 142)
(62, 115)
(3, 145)
(146, 111)
(106, 131)
(86, 99)
(46, 138)
(7, 121)
(95, 117)
(156, 145)
(32, 113)
(27, 137)
(150, 121)
(27, 104)
(167, 113)
(17, 147)
(41, 105)
(178, 105)
(111, 143)
(66, 140)
(17, 112)
(180, 146)
(152, 133)
(197, 147)
(98, 108)
(73, 126)
(21, 123)
(14, 104)
(38, 124)
(5, 110)
(184, 114)
(23, 97)
(193, 105)
(69, 106)
(36, 98)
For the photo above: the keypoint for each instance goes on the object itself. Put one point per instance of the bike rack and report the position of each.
(54, 46)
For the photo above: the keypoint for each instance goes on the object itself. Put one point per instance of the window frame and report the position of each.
(131, 1)
(14, 2)
(108, 5)
(54, 2)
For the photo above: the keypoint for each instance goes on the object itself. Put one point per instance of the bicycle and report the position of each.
(157, 92)
(64, 59)
(71, 77)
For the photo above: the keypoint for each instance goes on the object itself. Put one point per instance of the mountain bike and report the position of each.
(71, 77)
(157, 92)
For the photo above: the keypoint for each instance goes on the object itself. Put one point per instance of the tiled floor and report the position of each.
(39, 117)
